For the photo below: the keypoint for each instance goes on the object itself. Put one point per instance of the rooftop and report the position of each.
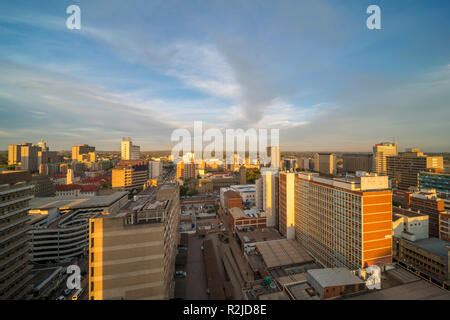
(329, 277)
(284, 252)
(434, 245)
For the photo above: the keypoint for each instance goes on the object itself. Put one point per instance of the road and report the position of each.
(195, 268)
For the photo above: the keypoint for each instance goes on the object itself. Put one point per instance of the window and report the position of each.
(92, 227)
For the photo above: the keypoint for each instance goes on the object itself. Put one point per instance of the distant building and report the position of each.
(29, 157)
(43, 186)
(129, 151)
(403, 169)
(290, 164)
(444, 226)
(252, 218)
(286, 220)
(132, 253)
(83, 153)
(15, 262)
(325, 163)
(359, 207)
(14, 151)
(76, 190)
(275, 157)
(353, 162)
(380, 153)
(130, 174)
(242, 175)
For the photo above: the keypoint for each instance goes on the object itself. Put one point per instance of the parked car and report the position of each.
(60, 298)
(180, 274)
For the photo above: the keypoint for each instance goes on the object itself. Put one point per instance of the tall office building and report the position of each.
(380, 152)
(129, 151)
(155, 169)
(286, 220)
(132, 254)
(404, 168)
(269, 177)
(15, 253)
(43, 145)
(14, 153)
(344, 221)
(130, 174)
(353, 162)
(325, 163)
(29, 157)
(275, 156)
(83, 153)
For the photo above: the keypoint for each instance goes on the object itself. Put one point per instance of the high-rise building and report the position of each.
(128, 150)
(155, 169)
(130, 174)
(186, 170)
(380, 152)
(69, 176)
(275, 156)
(15, 258)
(242, 175)
(269, 178)
(344, 221)
(14, 153)
(29, 157)
(325, 163)
(83, 153)
(403, 169)
(353, 162)
(132, 254)
(286, 220)
(427, 202)
(289, 164)
(42, 145)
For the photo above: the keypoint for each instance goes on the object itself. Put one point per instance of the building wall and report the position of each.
(431, 207)
(287, 204)
(15, 262)
(357, 162)
(380, 153)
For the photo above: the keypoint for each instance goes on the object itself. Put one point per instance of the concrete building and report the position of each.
(132, 253)
(344, 221)
(247, 192)
(232, 199)
(242, 175)
(427, 202)
(129, 151)
(269, 196)
(403, 169)
(290, 164)
(334, 282)
(155, 169)
(129, 175)
(439, 182)
(286, 216)
(83, 153)
(409, 224)
(353, 162)
(325, 163)
(15, 262)
(43, 186)
(444, 226)
(380, 153)
(14, 153)
(259, 193)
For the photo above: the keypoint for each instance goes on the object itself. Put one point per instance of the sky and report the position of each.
(145, 68)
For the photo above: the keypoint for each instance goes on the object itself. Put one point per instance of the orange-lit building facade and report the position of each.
(344, 222)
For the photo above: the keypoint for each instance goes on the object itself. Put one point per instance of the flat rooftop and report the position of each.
(330, 277)
(417, 290)
(434, 245)
(279, 253)
(70, 203)
(257, 235)
(363, 183)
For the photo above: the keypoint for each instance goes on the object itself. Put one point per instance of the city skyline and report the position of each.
(311, 69)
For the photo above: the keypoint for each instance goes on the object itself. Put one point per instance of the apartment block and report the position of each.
(132, 253)
(404, 168)
(15, 258)
(325, 163)
(344, 222)
(129, 151)
(286, 220)
(269, 195)
(83, 153)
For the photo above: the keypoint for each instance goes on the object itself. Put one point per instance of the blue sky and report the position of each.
(144, 68)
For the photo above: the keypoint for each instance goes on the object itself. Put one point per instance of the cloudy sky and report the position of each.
(144, 68)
